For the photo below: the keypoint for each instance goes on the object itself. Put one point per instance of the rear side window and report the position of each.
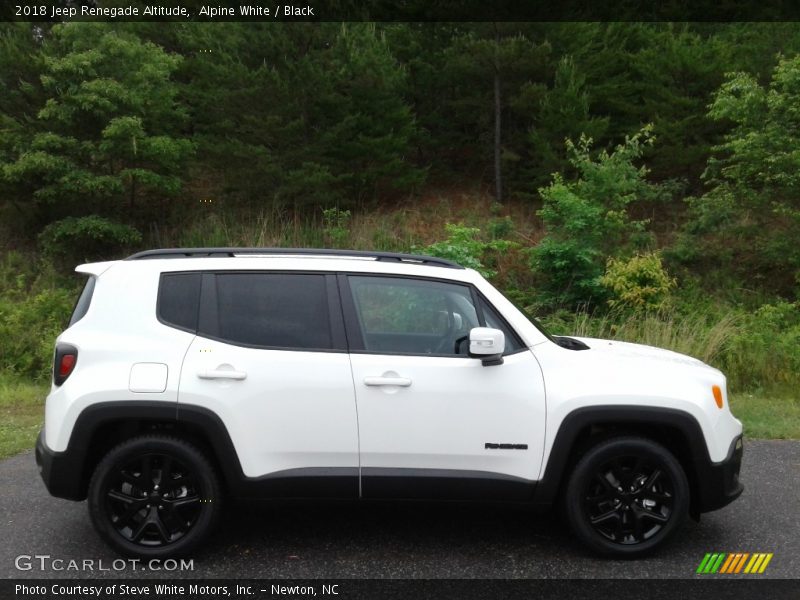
(179, 300)
(274, 310)
(84, 300)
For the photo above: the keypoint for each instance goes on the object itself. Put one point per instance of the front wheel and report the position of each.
(626, 496)
(154, 496)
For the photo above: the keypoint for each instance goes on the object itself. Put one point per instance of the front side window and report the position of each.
(276, 310)
(411, 316)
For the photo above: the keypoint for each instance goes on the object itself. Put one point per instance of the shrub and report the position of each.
(464, 246)
(28, 328)
(766, 350)
(15, 273)
(500, 227)
(35, 304)
(639, 283)
(83, 239)
(336, 227)
(586, 220)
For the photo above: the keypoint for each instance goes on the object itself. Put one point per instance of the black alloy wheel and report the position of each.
(153, 500)
(629, 500)
(626, 496)
(154, 496)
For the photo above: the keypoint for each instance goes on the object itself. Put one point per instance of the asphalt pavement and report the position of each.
(262, 540)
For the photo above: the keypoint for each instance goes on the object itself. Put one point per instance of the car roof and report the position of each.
(286, 259)
(296, 252)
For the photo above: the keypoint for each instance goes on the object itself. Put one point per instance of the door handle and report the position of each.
(397, 381)
(221, 374)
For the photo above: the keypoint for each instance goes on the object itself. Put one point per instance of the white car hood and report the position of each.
(614, 348)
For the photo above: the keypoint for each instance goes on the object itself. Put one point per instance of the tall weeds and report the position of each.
(755, 350)
(692, 335)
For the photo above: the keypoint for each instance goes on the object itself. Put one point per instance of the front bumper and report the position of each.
(717, 484)
(61, 476)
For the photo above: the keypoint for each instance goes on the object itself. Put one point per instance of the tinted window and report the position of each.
(413, 316)
(274, 310)
(179, 299)
(84, 300)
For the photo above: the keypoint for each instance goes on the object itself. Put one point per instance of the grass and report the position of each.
(398, 226)
(22, 406)
(768, 414)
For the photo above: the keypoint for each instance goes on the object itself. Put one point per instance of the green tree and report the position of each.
(226, 83)
(559, 113)
(749, 220)
(488, 64)
(20, 93)
(370, 125)
(109, 133)
(659, 73)
(300, 114)
(677, 73)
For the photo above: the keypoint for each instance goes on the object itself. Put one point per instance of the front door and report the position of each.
(433, 422)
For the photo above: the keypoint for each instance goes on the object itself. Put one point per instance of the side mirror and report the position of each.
(487, 344)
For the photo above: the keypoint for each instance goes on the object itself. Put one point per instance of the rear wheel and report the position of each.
(626, 496)
(154, 496)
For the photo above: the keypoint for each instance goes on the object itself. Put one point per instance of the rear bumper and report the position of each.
(61, 477)
(718, 483)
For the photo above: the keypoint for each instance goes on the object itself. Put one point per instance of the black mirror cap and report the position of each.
(491, 361)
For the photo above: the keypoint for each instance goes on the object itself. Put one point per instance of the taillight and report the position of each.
(64, 362)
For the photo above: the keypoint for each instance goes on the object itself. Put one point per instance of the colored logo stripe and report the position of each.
(703, 563)
(734, 562)
(740, 564)
(727, 564)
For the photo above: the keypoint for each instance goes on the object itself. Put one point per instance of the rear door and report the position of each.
(434, 422)
(270, 359)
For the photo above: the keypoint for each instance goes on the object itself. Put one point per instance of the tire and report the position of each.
(154, 496)
(626, 496)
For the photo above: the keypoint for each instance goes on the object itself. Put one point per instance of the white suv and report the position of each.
(189, 375)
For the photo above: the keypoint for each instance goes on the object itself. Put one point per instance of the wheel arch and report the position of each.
(583, 428)
(104, 425)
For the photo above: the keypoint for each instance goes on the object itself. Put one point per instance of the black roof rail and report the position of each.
(231, 252)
